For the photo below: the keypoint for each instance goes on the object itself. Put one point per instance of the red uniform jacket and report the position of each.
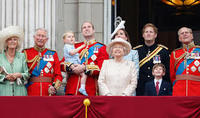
(43, 63)
(92, 56)
(185, 71)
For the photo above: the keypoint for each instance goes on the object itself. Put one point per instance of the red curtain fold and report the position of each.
(100, 107)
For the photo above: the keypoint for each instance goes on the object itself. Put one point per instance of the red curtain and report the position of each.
(100, 107)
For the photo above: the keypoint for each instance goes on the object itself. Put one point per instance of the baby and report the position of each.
(71, 55)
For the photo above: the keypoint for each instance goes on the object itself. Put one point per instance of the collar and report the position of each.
(159, 80)
(39, 49)
(151, 47)
(16, 53)
(92, 41)
(189, 46)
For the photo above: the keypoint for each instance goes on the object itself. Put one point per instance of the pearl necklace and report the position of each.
(10, 58)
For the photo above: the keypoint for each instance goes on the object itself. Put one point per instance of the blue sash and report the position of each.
(181, 67)
(36, 70)
(91, 51)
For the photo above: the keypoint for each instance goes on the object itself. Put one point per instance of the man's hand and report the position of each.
(11, 77)
(17, 75)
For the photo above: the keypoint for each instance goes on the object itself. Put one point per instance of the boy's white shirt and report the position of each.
(160, 81)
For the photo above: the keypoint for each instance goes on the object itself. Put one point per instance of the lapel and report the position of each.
(162, 87)
(154, 88)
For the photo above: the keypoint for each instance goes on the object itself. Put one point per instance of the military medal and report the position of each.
(46, 70)
(51, 58)
(156, 59)
(197, 55)
(93, 57)
(49, 65)
(193, 68)
(96, 49)
(46, 57)
(194, 55)
(196, 63)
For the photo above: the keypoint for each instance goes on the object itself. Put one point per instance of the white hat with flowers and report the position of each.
(11, 31)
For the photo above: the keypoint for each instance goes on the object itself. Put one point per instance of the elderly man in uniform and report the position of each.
(43, 66)
(92, 57)
(149, 54)
(185, 65)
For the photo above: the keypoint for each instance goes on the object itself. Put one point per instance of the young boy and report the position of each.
(158, 86)
(71, 55)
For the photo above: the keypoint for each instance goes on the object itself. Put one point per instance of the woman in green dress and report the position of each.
(13, 68)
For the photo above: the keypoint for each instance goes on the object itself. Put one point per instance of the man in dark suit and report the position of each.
(158, 86)
(150, 53)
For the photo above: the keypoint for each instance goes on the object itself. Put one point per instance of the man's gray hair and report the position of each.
(190, 30)
(47, 34)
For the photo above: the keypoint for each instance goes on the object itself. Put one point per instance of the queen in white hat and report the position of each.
(118, 77)
(120, 32)
(13, 67)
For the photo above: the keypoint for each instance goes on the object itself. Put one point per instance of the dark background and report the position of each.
(167, 19)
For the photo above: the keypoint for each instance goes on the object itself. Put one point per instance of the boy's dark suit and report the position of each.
(165, 89)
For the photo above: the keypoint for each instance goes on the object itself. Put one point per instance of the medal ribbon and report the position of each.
(151, 55)
(90, 52)
(36, 71)
(181, 66)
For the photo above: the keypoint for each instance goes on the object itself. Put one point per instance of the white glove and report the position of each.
(19, 81)
(51, 90)
(108, 94)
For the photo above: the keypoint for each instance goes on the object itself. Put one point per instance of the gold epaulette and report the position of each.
(78, 42)
(163, 46)
(100, 43)
(51, 50)
(137, 47)
(197, 46)
(26, 49)
(177, 49)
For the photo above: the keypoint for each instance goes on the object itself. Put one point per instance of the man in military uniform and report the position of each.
(92, 57)
(185, 65)
(43, 66)
(149, 54)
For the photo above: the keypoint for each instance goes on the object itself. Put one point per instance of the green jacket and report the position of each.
(18, 65)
